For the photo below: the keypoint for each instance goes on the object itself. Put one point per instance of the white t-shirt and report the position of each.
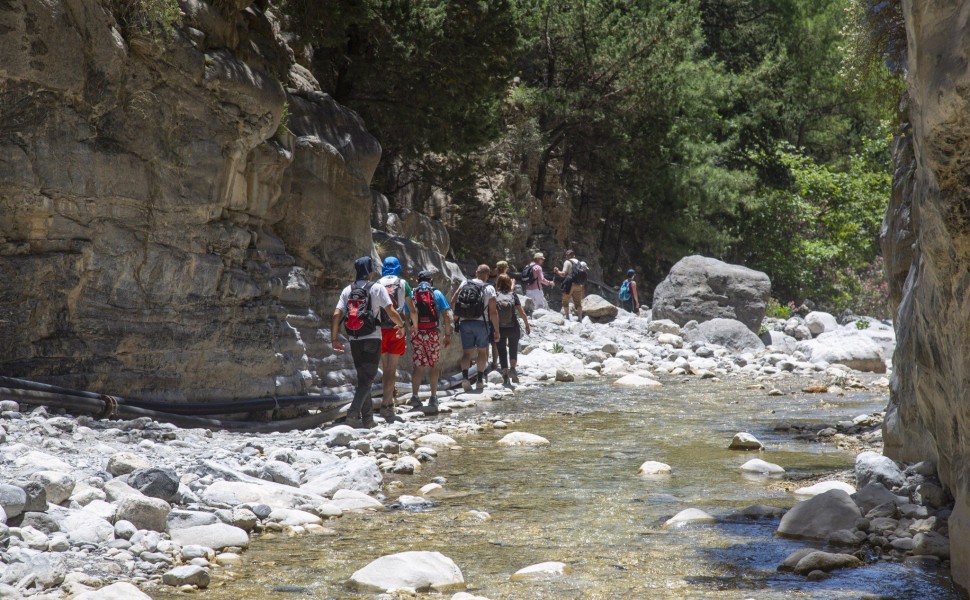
(378, 300)
(488, 292)
(567, 266)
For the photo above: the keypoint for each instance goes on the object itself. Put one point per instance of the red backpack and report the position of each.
(427, 307)
(360, 320)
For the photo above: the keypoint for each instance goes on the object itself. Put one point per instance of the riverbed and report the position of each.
(581, 502)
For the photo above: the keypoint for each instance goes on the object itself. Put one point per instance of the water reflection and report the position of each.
(580, 502)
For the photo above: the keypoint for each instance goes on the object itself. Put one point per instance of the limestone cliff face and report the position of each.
(161, 235)
(927, 244)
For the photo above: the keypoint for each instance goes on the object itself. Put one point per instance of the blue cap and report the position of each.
(631, 273)
(392, 266)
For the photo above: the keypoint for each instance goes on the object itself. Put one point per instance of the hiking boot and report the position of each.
(354, 422)
(466, 385)
(388, 414)
(480, 384)
(368, 423)
(415, 402)
(432, 406)
(505, 377)
(513, 375)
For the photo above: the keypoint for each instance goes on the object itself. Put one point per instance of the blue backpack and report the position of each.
(625, 294)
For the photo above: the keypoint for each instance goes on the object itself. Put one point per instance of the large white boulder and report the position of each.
(599, 309)
(851, 348)
(820, 322)
(144, 512)
(216, 536)
(522, 438)
(730, 333)
(116, 591)
(420, 571)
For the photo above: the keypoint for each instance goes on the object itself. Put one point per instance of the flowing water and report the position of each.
(580, 501)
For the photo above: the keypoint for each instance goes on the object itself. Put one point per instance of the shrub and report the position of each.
(777, 310)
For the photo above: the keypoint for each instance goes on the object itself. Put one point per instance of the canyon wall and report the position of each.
(926, 241)
(162, 234)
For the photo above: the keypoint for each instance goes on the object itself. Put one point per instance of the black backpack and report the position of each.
(360, 319)
(470, 301)
(581, 271)
(527, 275)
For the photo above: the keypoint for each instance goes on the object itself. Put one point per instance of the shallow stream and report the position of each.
(581, 502)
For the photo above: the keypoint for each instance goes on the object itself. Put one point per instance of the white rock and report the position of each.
(690, 516)
(83, 527)
(543, 570)
(361, 474)
(436, 440)
(293, 517)
(354, 501)
(59, 485)
(217, 536)
(652, 467)
(416, 570)
(116, 591)
(431, 490)
(521, 438)
(124, 463)
(820, 322)
(634, 380)
(670, 339)
(187, 575)
(144, 512)
(274, 495)
(41, 461)
(756, 465)
(824, 486)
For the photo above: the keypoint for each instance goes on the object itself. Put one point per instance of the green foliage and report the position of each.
(777, 310)
(862, 324)
(557, 348)
(763, 329)
(284, 118)
(154, 18)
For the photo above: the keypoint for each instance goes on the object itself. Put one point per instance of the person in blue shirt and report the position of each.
(426, 340)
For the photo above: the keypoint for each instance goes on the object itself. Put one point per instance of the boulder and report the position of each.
(745, 441)
(124, 463)
(820, 322)
(730, 333)
(421, 571)
(280, 472)
(144, 512)
(599, 309)
(637, 381)
(360, 474)
(659, 326)
(12, 499)
(187, 575)
(824, 486)
(85, 527)
(522, 438)
(156, 483)
(851, 348)
(875, 494)
(825, 561)
(652, 467)
(351, 501)
(690, 516)
(872, 467)
(700, 289)
(756, 465)
(436, 440)
(58, 485)
(216, 536)
(819, 516)
(121, 590)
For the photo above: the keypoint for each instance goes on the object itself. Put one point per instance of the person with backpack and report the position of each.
(533, 280)
(392, 346)
(474, 304)
(508, 307)
(426, 341)
(358, 310)
(501, 268)
(575, 274)
(629, 299)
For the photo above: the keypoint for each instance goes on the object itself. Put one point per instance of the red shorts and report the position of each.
(425, 344)
(390, 343)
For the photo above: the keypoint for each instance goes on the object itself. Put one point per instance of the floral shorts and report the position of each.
(426, 347)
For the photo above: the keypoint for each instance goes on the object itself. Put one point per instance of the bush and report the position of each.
(155, 18)
(777, 310)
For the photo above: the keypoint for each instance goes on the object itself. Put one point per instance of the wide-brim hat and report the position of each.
(538, 255)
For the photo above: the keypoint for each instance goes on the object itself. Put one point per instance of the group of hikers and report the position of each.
(376, 316)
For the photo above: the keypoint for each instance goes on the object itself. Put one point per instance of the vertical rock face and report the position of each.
(161, 235)
(927, 238)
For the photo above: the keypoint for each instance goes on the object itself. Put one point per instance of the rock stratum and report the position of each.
(926, 242)
(162, 234)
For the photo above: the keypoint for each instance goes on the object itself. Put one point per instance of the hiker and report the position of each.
(501, 268)
(474, 306)
(573, 286)
(629, 299)
(393, 346)
(508, 306)
(426, 341)
(358, 308)
(533, 280)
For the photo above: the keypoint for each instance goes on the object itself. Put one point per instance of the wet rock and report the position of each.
(637, 381)
(431, 490)
(652, 467)
(690, 516)
(820, 516)
(846, 537)
(522, 438)
(824, 486)
(931, 544)
(294, 518)
(544, 570)
(792, 559)
(760, 511)
(418, 570)
(825, 561)
(756, 465)
(745, 441)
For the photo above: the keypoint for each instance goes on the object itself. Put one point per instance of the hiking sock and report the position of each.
(464, 373)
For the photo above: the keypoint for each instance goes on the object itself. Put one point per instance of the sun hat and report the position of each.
(538, 255)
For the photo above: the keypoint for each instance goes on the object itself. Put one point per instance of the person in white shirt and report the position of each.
(576, 290)
(365, 336)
